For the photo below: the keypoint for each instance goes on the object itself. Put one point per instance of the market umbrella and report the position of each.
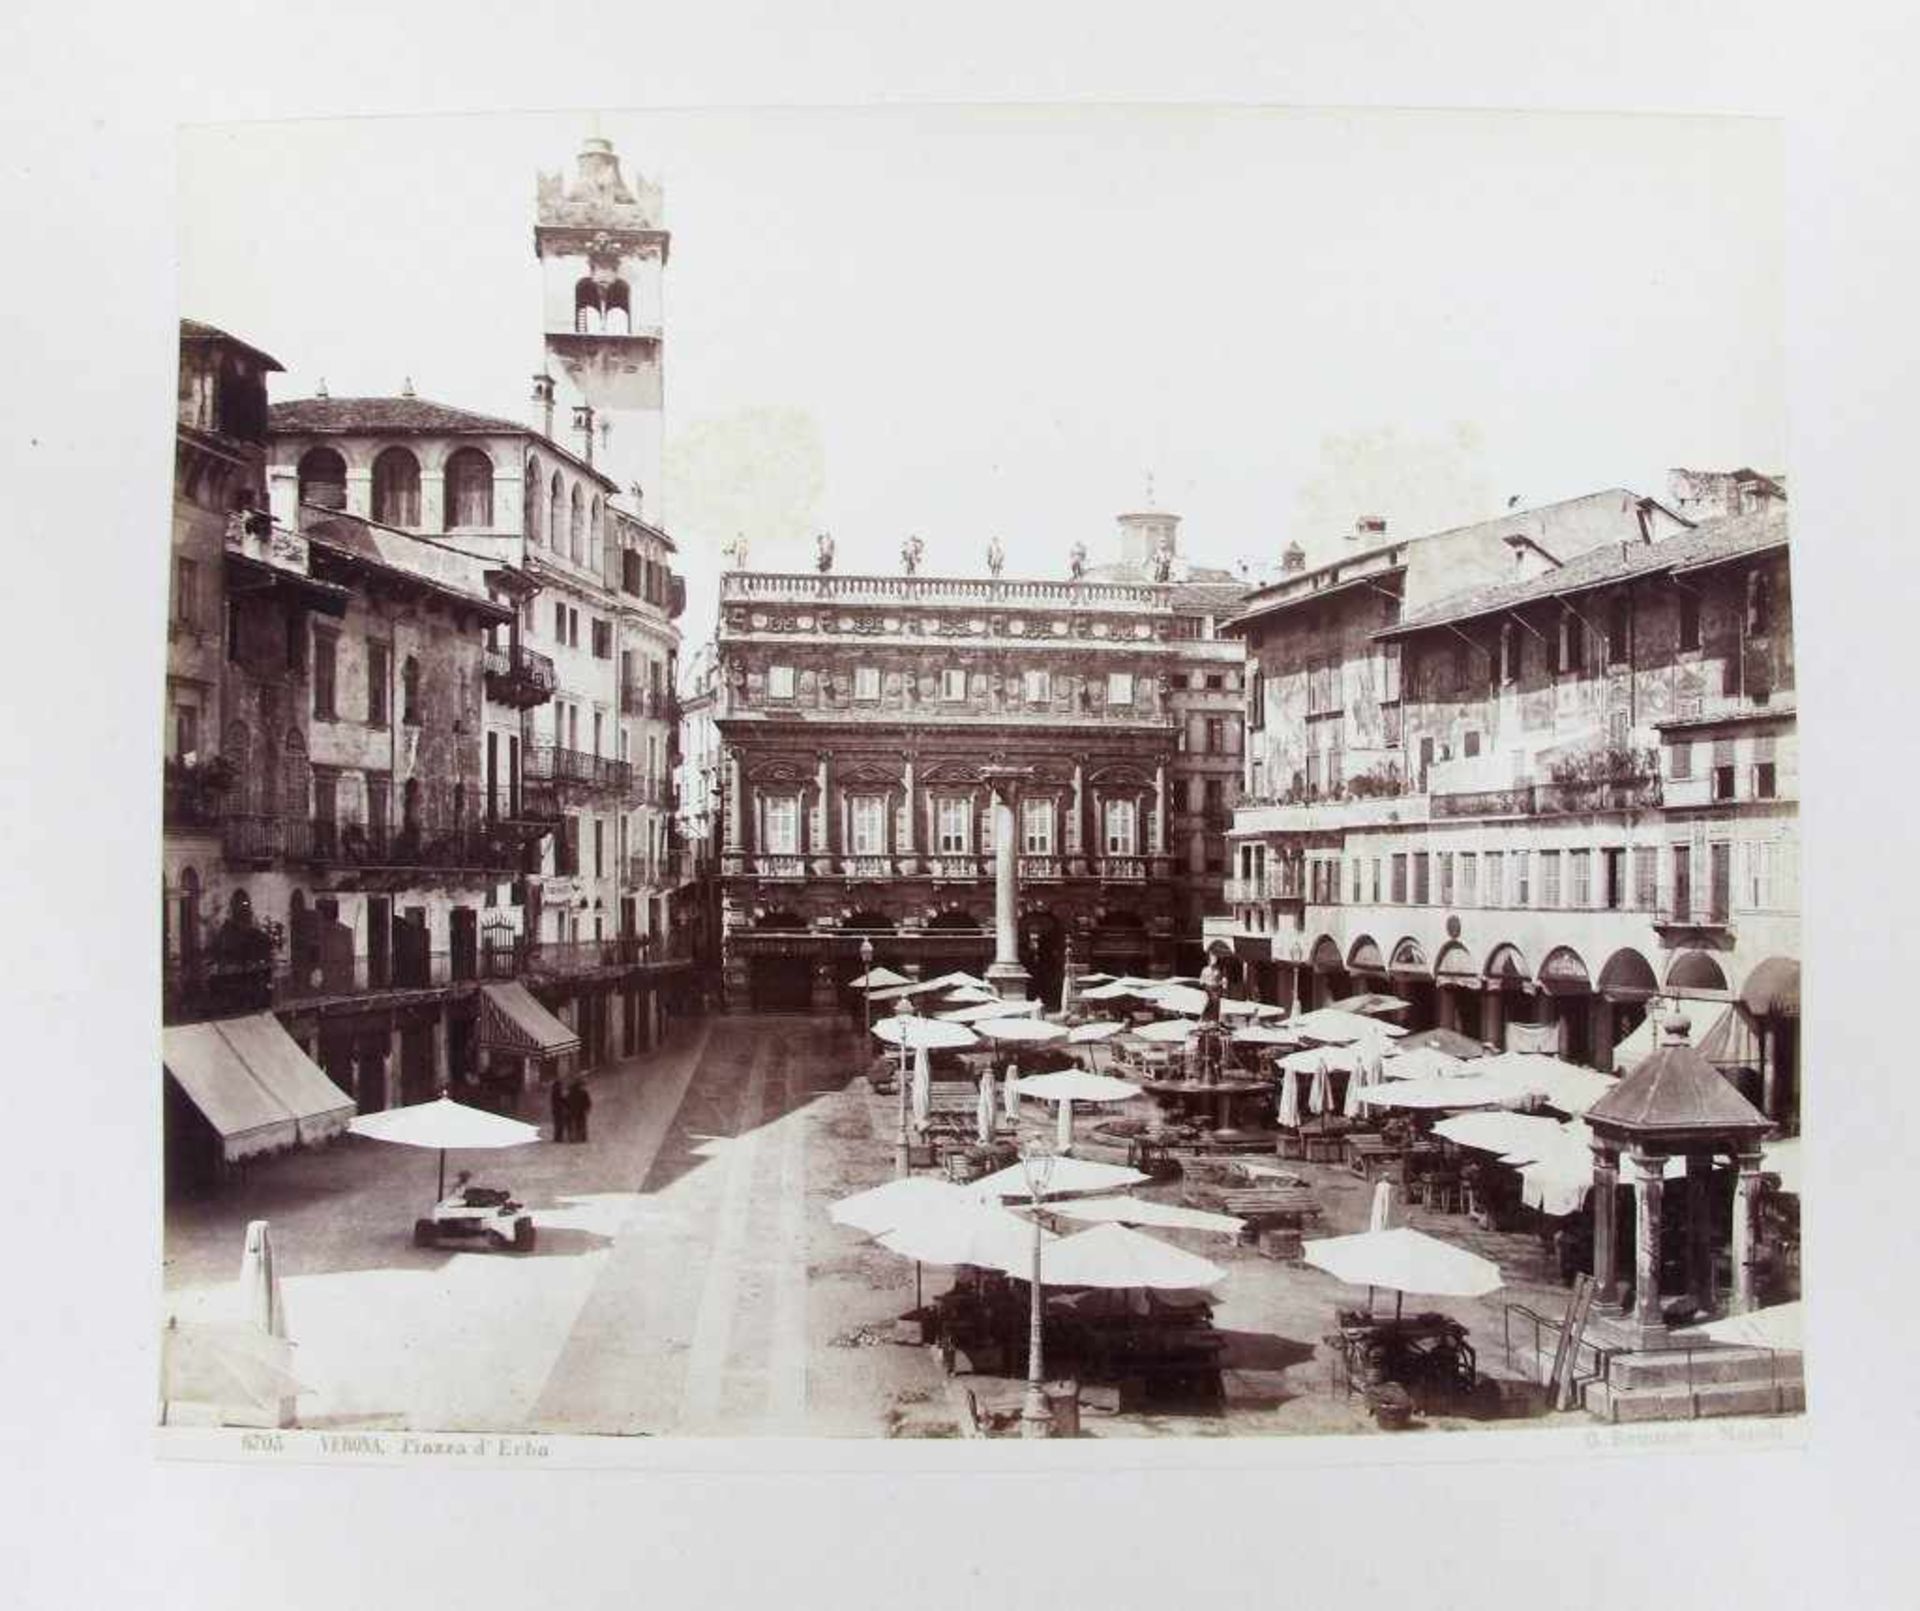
(1144, 1211)
(1422, 1063)
(969, 996)
(1010, 1088)
(1320, 1098)
(1437, 1093)
(882, 1207)
(877, 978)
(1450, 1041)
(1027, 1030)
(1118, 990)
(225, 1363)
(967, 1231)
(1778, 1326)
(1063, 1129)
(1370, 1003)
(1096, 978)
(1166, 1031)
(1113, 1256)
(446, 1126)
(981, 1012)
(260, 1297)
(1404, 1260)
(1500, 1132)
(1233, 1007)
(1091, 1034)
(1077, 1085)
(924, 1034)
(1069, 1176)
(1263, 1035)
(983, 1110)
(1339, 1028)
(1380, 1213)
(1558, 1083)
(1180, 998)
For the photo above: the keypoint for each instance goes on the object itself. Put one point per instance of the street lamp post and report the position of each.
(866, 988)
(903, 1145)
(1036, 1419)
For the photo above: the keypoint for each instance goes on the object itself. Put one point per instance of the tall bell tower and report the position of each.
(603, 253)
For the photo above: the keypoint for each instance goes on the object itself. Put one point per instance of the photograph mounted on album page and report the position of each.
(979, 773)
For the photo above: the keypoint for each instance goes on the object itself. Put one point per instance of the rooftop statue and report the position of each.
(823, 552)
(996, 555)
(912, 552)
(1077, 561)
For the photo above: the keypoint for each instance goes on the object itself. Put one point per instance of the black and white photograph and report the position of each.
(969, 773)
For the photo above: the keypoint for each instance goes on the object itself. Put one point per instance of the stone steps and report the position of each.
(1678, 1402)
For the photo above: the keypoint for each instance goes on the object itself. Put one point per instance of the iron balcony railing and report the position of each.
(1552, 799)
(329, 843)
(1123, 869)
(780, 866)
(956, 869)
(520, 677)
(556, 764)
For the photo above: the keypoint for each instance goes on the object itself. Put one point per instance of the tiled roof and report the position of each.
(1676, 1088)
(1713, 542)
(194, 330)
(411, 415)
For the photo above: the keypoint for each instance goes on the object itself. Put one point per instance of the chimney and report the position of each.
(543, 405)
(406, 387)
(1369, 531)
(583, 430)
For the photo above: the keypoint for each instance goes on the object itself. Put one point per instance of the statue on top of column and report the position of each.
(735, 553)
(823, 552)
(996, 555)
(912, 552)
(1077, 561)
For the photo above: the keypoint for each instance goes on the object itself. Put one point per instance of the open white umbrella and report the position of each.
(922, 1087)
(969, 996)
(882, 1207)
(1179, 998)
(1370, 1003)
(981, 1012)
(1560, 1084)
(924, 1034)
(1114, 1257)
(1263, 1035)
(1501, 1132)
(445, 1126)
(1068, 1177)
(1030, 1030)
(877, 978)
(965, 1232)
(1118, 990)
(1404, 1260)
(1145, 1211)
(1166, 1031)
(1077, 1085)
(1436, 1093)
(1093, 1033)
(1339, 1028)
(1424, 1062)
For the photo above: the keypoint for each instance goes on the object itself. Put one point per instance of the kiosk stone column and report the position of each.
(1650, 1181)
(1746, 1202)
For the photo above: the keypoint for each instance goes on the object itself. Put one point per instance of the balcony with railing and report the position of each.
(1042, 869)
(957, 869)
(1573, 798)
(650, 789)
(552, 763)
(1123, 869)
(779, 866)
(324, 842)
(520, 677)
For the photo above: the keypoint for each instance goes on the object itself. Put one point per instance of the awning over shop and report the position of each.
(254, 1085)
(1365, 957)
(1695, 970)
(1772, 990)
(1628, 976)
(1564, 973)
(1409, 961)
(1455, 967)
(1506, 968)
(1326, 956)
(512, 1021)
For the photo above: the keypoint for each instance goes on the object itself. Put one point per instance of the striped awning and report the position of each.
(512, 1021)
(253, 1084)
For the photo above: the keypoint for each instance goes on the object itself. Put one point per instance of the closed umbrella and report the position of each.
(1063, 1129)
(1144, 1211)
(1289, 1114)
(1011, 1087)
(1069, 1177)
(445, 1126)
(983, 1111)
(1320, 1098)
(1380, 1215)
(922, 1087)
(1115, 1257)
(260, 1299)
(1404, 1260)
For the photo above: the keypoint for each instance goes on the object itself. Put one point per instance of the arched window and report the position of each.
(576, 527)
(410, 691)
(618, 318)
(323, 478)
(586, 308)
(533, 500)
(556, 515)
(469, 500)
(396, 488)
(593, 536)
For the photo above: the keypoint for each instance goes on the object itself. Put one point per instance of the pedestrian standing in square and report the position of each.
(580, 1102)
(561, 1113)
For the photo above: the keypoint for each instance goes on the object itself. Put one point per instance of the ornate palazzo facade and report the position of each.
(861, 718)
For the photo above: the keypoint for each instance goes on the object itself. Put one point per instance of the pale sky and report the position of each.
(961, 322)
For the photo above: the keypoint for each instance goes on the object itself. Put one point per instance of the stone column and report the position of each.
(1769, 1072)
(1160, 809)
(828, 836)
(1606, 1181)
(1005, 973)
(1650, 1171)
(1746, 1202)
(1077, 823)
(1700, 1230)
(912, 808)
(736, 807)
